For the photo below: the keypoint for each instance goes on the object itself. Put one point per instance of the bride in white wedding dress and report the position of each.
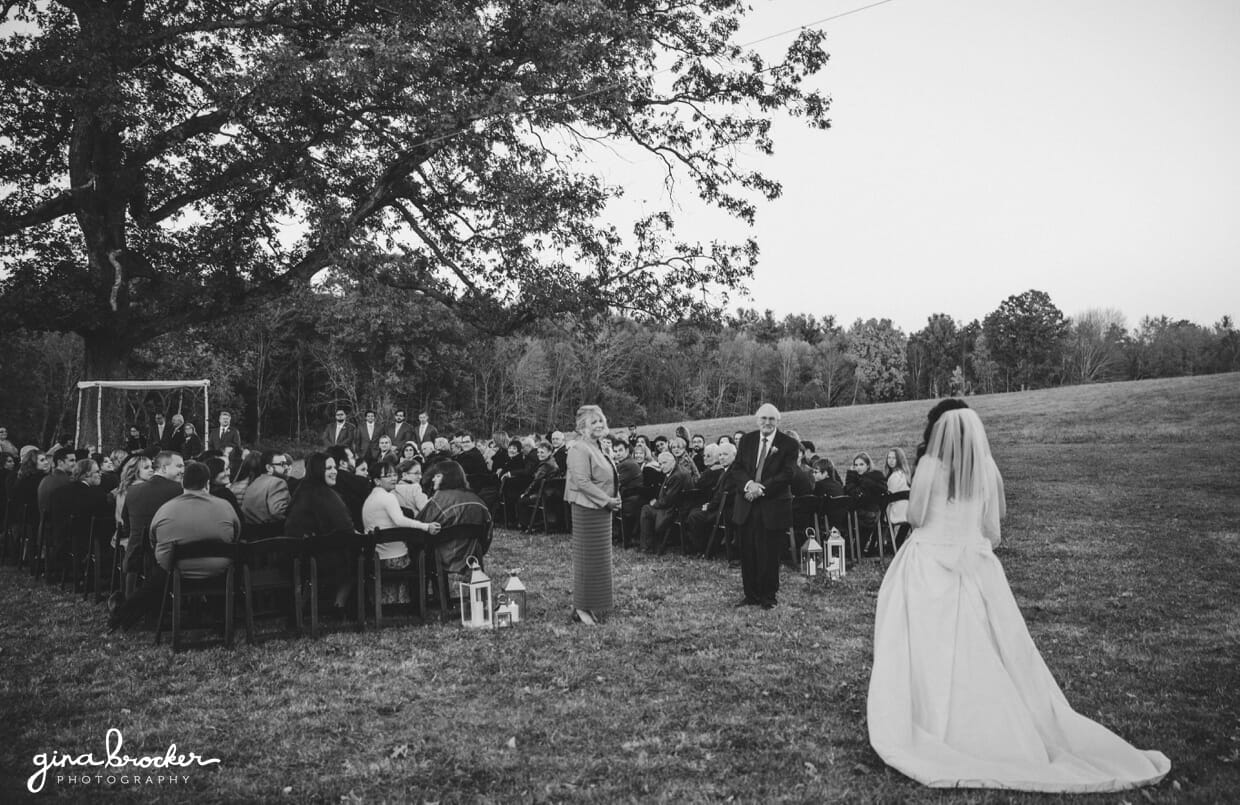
(959, 695)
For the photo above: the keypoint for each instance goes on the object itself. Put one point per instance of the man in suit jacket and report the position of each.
(365, 448)
(340, 432)
(657, 515)
(141, 503)
(160, 434)
(175, 437)
(425, 431)
(766, 462)
(226, 439)
(401, 431)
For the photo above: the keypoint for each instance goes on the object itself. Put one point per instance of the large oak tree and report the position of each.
(166, 162)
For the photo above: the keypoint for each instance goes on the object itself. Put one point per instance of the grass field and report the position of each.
(1122, 546)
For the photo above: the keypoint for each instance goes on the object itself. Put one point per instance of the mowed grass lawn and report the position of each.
(1122, 545)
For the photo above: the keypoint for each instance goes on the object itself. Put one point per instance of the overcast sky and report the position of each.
(980, 148)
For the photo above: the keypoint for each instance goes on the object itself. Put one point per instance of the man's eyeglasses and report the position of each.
(279, 463)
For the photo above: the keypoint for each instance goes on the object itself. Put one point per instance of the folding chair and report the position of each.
(721, 530)
(271, 568)
(478, 534)
(324, 547)
(838, 512)
(693, 499)
(97, 555)
(415, 574)
(539, 512)
(177, 588)
(804, 515)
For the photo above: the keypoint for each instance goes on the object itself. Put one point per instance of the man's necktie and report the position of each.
(221, 434)
(761, 459)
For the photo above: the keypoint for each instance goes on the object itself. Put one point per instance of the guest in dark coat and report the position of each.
(353, 489)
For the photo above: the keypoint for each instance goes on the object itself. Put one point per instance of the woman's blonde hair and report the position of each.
(587, 414)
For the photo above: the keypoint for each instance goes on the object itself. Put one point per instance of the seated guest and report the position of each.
(629, 480)
(252, 467)
(409, 450)
(409, 488)
(898, 477)
(802, 480)
(31, 471)
(712, 468)
(441, 452)
(141, 504)
(62, 464)
(190, 441)
(659, 446)
(289, 478)
(317, 507)
(547, 468)
(504, 453)
(697, 449)
(699, 521)
(826, 480)
(111, 468)
(83, 497)
(453, 504)
(658, 514)
(679, 448)
(135, 442)
(866, 486)
(382, 510)
(352, 488)
(514, 479)
(266, 498)
(136, 470)
(559, 451)
(192, 516)
(219, 482)
(470, 457)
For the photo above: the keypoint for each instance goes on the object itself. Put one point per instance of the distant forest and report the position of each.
(283, 369)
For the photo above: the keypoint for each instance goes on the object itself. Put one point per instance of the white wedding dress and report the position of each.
(959, 695)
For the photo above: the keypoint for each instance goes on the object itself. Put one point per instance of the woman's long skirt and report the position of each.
(592, 583)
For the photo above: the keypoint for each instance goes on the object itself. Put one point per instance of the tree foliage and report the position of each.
(1025, 337)
(166, 163)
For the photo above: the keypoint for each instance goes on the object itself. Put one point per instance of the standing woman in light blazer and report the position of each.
(592, 488)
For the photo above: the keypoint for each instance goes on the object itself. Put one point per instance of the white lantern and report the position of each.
(835, 555)
(476, 604)
(811, 554)
(514, 596)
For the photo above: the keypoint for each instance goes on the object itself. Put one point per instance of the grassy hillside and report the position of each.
(1122, 546)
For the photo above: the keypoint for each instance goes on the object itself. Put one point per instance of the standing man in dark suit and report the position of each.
(401, 430)
(175, 437)
(368, 433)
(340, 432)
(425, 431)
(226, 439)
(766, 462)
(160, 434)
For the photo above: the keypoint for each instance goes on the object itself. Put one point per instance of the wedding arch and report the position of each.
(131, 385)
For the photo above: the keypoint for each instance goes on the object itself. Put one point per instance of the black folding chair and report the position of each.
(721, 530)
(478, 536)
(271, 571)
(414, 575)
(178, 589)
(322, 548)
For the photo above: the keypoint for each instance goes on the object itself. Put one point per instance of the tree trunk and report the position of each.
(107, 358)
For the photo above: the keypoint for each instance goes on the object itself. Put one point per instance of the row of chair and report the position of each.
(822, 513)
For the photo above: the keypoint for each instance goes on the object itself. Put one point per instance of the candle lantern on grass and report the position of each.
(835, 555)
(476, 602)
(514, 595)
(811, 554)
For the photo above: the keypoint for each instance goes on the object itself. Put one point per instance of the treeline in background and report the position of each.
(282, 369)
